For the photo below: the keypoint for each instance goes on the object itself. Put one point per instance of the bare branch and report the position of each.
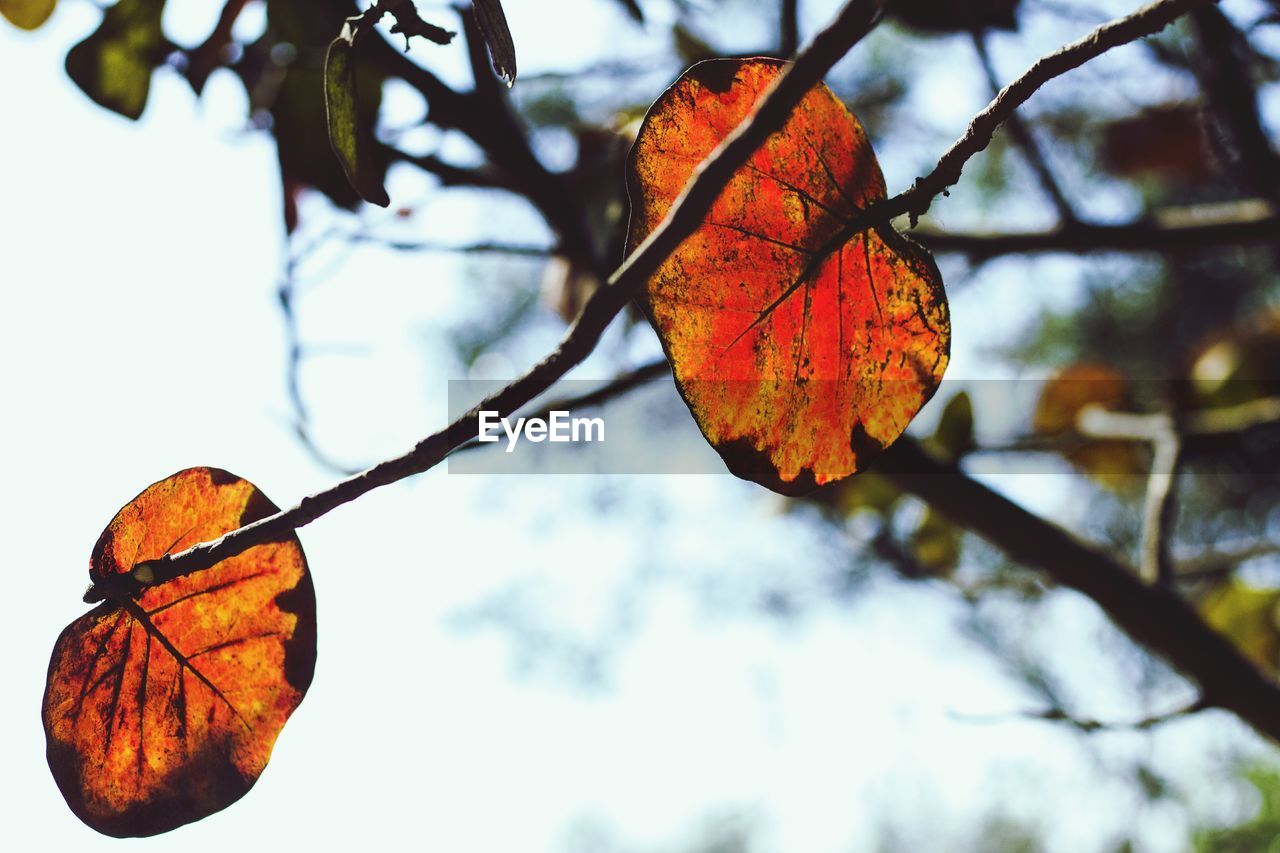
(1086, 725)
(1148, 20)
(1026, 141)
(853, 21)
(1154, 616)
(1175, 232)
(788, 27)
(1097, 422)
(1160, 506)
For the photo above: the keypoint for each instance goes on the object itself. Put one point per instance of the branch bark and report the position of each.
(1154, 616)
(1193, 229)
(828, 46)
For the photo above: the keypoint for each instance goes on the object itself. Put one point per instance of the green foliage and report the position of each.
(1261, 833)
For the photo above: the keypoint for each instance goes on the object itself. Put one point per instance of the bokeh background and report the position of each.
(635, 663)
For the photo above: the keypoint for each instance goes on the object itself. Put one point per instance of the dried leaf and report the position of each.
(163, 709)
(351, 141)
(800, 358)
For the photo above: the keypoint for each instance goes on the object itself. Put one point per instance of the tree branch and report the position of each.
(1154, 616)
(1026, 141)
(1185, 230)
(853, 21)
(1091, 726)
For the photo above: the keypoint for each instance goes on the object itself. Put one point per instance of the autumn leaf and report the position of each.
(27, 14)
(162, 709)
(1113, 464)
(800, 356)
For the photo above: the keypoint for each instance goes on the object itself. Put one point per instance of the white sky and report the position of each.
(140, 335)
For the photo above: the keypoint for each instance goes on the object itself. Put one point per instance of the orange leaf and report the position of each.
(800, 357)
(163, 709)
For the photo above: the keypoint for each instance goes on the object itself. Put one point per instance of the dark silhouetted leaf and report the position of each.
(493, 27)
(799, 357)
(163, 709)
(113, 66)
(27, 14)
(350, 140)
(951, 16)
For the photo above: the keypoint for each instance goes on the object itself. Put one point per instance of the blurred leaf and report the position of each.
(113, 66)
(936, 544)
(1240, 366)
(958, 16)
(493, 27)
(954, 435)
(1259, 832)
(1161, 142)
(1114, 464)
(1247, 616)
(840, 500)
(27, 14)
(350, 140)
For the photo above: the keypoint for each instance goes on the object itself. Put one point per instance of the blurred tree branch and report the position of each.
(1184, 230)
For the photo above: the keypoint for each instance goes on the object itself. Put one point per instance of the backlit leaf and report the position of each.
(27, 14)
(1247, 616)
(800, 357)
(163, 709)
(113, 65)
(351, 141)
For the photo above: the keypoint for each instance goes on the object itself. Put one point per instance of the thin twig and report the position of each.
(1154, 616)
(610, 390)
(788, 27)
(1084, 724)
(1190, 230)
(1160, 506)
(1026, 141)
(1096, 422)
